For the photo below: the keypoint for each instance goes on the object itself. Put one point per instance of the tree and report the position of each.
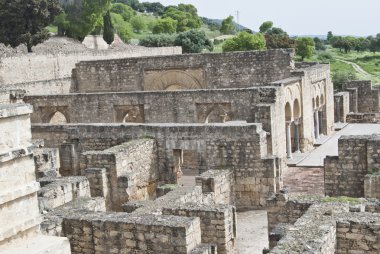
(329, 36)
(186, 17)
(341, 77)
(24, 21)
(245, 41)
(305, 47)
(138, 24)
(266, 26)
(124, 10)
(156, 8)
(193, 41)
(363, 44)
(319, 44)
(82, 17)
(228, 26)
(108, 31)
(275, 41)
(165, 25)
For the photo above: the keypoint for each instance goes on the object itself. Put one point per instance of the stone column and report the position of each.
(288, 140)
(297, 135)
(320, 113)
(337, 101)
(316, 125)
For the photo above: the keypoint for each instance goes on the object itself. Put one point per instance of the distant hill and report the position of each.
(219, 22)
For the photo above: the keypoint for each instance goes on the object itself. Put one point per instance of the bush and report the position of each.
(158, 40)
(122, 28)
(138, 24)
(124, 10)
(245, 41)
(165, 25)
(340, 77)
(194, 41)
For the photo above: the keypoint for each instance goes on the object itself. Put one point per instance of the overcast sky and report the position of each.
(297, 17)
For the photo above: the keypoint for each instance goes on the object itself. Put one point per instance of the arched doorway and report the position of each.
(296, 127)
(288, 131)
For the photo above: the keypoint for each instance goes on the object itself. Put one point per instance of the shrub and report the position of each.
(158, 40)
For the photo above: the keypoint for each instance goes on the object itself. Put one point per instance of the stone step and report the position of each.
(38, 245)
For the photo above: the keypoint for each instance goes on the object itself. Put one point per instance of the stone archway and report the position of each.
(54, 114)
(58, 118)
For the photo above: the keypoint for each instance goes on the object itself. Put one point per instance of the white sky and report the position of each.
(297, 17)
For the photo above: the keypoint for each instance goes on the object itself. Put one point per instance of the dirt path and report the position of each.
(355, 66)
(252, 232)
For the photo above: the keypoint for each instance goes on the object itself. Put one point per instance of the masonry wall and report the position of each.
(43, 67)
(367, 96)
(153, 107)
(372, 186)
(341, 104)
(119, 233)
(210, 71)
(344, 174)
(240, 147)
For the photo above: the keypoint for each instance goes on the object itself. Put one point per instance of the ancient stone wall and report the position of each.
(46, 161)
(53, 86)
(196, 71)
(50, 66)
(131, 170)
(218, 223)
(120, 233)
(237, 146)
(363, 118)
(364, 98)
(344, 174)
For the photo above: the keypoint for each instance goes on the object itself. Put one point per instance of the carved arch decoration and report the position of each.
(169, 80)
(213, 112)
(318, 93)
(54, 114)
(293, 101)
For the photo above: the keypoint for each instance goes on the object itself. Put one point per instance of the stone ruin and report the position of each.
(113, 143)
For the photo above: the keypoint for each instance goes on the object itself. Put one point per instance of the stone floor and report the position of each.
(252, 232)
(304, 181)
(330, 147)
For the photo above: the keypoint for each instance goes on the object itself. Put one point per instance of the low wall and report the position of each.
(341, 106)
(119, 233)
(363, 118)
(51, 66)
(364, 98)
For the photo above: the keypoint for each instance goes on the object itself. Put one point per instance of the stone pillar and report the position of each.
(288, 140)
(321, 126)
(316, 125)
(297, 135)
(337, 101)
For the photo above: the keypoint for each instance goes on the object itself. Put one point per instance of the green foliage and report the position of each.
(341, 77)
(193, 41)
(266, 26)
(156, 8)
(134, 4)
(212, 25)
(275, 41)
(122, 28)
(305, 47)
(124, 10)
(185, 15)
(319, 44)
(24, 22)
(165, 25)
(228, 26)
(372, 171)
(343, 199)
(329, 36)
(245, 41)
(158, 40)
(81, 18)
(138, 24)
(108, 31)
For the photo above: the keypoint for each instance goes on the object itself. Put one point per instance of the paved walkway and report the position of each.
(330, 147)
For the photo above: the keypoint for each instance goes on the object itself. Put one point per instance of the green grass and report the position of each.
(343, 199)
(53, 29)
(375, 172)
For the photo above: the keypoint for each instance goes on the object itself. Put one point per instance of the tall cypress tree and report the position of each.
(108, 30)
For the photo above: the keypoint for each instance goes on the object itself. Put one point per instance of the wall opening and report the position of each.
(186, 166)
(58, 118)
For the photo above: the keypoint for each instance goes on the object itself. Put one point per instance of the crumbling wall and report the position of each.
(237, 146)
(341, 106)
(210, 71)
(372, 186)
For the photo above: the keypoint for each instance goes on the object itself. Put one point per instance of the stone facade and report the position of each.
(364, 98)
(372, 186)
